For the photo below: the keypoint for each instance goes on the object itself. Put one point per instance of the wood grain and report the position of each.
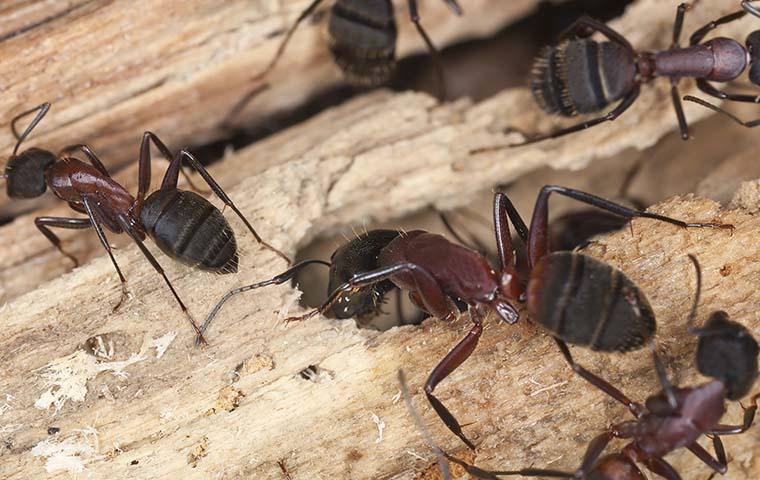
(115, 69)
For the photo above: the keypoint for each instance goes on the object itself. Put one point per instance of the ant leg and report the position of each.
(699, 34)
(420, 424)
(611, 116)
(41, 110)
(586, 22)
(538, 245)
(678, 26)
(720, 465)
(126, 225)
(445, 367)
(662, 376)
(503, 208)
(42, 224)
(276, 280)
(715, 108)
(662, 468)
(682, 125)
(430, 293)
(749, 8)
(223, 197)
(309, 10)
(434, 53)
(749, 419)
(711, 90)
(239, 106)
(102, 236)
(454, 6)
(144, 172)
(89, 153)
(476, 472)
(603, 385)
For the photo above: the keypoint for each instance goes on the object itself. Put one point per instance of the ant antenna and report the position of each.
(276, 280)
(41, 110)
(749, 8)
(442, 464)
(693, 313)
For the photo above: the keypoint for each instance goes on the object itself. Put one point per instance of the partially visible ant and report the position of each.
(184, 225)
(362, 40)
(753, 49)
(357, 255)
(581, 75)
(727, 352)
(577, 298)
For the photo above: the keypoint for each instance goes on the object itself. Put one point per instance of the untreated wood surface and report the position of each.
(115, 69)
(409, 143)
(133, 398)
(237, 407)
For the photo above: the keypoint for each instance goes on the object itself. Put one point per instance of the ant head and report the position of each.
(728, 352)
(25, 173)
(753, 47)
(357, 256)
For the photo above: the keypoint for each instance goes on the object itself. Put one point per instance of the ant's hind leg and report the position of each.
(43, 224)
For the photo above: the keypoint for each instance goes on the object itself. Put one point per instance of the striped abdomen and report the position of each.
(581, 76)
(586, 302)
(362, 38)
(188, 228)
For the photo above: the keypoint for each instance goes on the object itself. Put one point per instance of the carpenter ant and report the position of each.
(355, 256)
(581, 75)
(576, 298)
(362, 40)
(358, 255)
(660, 427)
(186, 226)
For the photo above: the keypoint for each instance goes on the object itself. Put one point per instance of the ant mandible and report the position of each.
(581, 75)
(186, 226)
(608, 313)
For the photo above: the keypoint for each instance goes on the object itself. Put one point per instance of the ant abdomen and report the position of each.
(581, 76)
(357, 256)
(362, 39)
(728, 352)
(188, 228)
(25, 173)
(586, 302)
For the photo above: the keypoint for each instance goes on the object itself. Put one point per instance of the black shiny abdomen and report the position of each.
(586, 302)
(362, 39)
(358, 256)
(25, 173)
(581, 76)
(729, 356)
(188, 228)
